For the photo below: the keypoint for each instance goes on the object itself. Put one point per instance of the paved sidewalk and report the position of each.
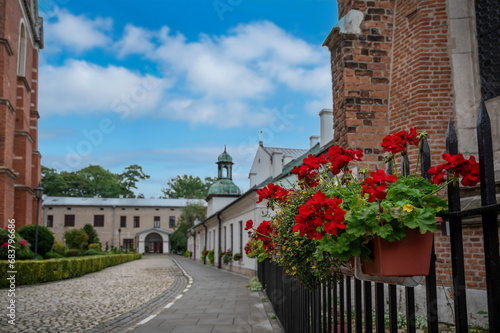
(217, 301)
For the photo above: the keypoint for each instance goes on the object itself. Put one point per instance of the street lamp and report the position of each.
(119, 240)
(38, 196)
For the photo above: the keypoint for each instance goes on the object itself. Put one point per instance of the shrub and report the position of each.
(60, 248)
(76, 239)
(254, 284)
(90, 231)
(45, 238)
(21, 245)
(95, 247)
(37, 271)
(53, 255)
(211, 256)
(227, 257)
(73, 253)
(237, 256)
(92, 253)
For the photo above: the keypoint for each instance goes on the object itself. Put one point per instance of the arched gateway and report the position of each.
(154, 240)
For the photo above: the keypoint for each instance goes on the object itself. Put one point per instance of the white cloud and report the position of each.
(136, 40)
(82, 87)
(77, 33)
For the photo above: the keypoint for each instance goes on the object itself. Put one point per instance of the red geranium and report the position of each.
(458, 166)
(376, 186)
(308, 171)
(272, 191)
(399, 141)
(319, 211)
(249, 225)
(340, 158)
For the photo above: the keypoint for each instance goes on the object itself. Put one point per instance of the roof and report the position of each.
(122, 202)
(155, 229)
(292, 152)
(224, 186)
(224, 157)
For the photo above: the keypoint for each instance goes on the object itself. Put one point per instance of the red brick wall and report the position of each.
(421, 92)
(395, 75)
(18, 132)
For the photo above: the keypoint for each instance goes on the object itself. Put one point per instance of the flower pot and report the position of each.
(410, 256)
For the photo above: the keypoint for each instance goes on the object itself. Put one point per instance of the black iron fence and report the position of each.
(352, 305)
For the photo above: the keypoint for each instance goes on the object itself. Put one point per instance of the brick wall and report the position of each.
(397, 74)
(19, 158)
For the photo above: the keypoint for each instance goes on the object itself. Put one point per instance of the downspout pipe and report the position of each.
(206, 231)
(113, 237)
(220, 242)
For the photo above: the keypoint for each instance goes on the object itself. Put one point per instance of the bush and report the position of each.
(59, 248)
(22, 247)
(76, 239)
(91, 233)
(73, 253)
(211, 256)
(92, 253)
(227, 257)
(95, 247)
(53, 255)
(237, 256)
(37, 271)
(45, 238)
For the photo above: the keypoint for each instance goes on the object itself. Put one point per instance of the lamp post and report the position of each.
(119, 240)
(38, 196)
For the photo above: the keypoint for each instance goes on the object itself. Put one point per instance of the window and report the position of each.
(69, 220)
(225, 240)
(128, 244)
(214, 238)
(50, 221)
(21, 56)
(171, 222)
(231, 231)
(98, 220)
(123, 221)
(137, 221)
(157, 222)
(241, 236)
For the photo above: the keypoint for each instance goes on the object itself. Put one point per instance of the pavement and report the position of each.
(215, 301)
(158, 293)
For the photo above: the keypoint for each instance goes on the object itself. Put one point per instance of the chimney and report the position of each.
(313, 140)
(120, 196)
(287, 159)
(326, 126)
(277, 159)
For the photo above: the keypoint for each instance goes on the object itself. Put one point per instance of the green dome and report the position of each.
(224, 187)
(225, 157)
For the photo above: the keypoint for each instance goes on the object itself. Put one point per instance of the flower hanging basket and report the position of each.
(410, 256)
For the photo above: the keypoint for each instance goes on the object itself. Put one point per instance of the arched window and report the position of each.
(21, 56)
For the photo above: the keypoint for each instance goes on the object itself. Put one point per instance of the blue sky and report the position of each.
(166, 84)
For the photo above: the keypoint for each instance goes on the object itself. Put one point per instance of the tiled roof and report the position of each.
(292, 152)
(121, 202)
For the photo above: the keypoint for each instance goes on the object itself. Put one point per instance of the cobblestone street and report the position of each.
(108, 301)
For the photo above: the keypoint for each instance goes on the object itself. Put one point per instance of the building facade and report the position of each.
(21, 39)
(144, 225)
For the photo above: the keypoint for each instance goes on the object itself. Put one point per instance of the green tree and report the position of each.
(184, 186)
(76, 239)
(191, 213)
(91, 233)
(92, 181)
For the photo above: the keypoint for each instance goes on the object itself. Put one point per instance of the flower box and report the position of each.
(410, 256)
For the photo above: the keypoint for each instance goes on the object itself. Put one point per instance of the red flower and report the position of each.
(340, 158)
(272, 191)
(458, 166)
(5, 245)
(308, 171)
(397, 142)
(23, 242)
(376, 185)
(319, 211)
(249, 225)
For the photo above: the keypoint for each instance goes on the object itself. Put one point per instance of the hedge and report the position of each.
(37, 271)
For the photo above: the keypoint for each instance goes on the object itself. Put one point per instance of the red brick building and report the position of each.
(21, 38)
(417, 63)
